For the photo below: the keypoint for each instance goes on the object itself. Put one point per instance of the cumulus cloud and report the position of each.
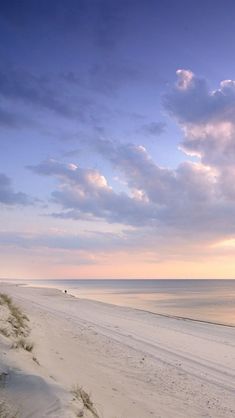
(194, 199)
(187, 199)
(207, 118)
(86, 191)
(188, 100)
(8, 196)
(160, 185)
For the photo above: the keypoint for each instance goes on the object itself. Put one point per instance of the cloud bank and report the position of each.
(195, 201)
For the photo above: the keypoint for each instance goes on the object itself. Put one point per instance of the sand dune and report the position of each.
(133, 363)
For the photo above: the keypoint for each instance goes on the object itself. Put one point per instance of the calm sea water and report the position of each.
(207, 300)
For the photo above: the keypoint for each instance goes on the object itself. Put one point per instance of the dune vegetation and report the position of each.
(14, 324)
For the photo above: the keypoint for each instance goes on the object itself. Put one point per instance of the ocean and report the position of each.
(204, 300)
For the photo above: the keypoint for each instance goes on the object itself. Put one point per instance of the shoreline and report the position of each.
(179, 317)
(135, 364)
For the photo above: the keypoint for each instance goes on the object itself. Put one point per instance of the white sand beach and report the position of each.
(134, 364)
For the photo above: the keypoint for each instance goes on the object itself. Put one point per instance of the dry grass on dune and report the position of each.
(17, 324)
(83, 396)
(5, 332)
(5, 299)
(23, 343)
(17, 319)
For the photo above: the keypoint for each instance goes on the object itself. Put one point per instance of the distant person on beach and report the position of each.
(65, 291)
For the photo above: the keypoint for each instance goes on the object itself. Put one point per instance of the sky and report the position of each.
(117, 139)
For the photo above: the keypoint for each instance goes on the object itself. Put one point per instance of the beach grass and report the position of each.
(5, 332)
(17, 319)
(85, 398)
(36, 360)
(23, 343)
(5, 299)
(18, 324)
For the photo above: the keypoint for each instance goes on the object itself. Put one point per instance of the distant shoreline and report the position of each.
(86, 297)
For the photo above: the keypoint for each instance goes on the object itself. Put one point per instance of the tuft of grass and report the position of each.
(83, 396)
(17, 320)
(4, 332)
(23, 343)
(5, 299)
(36, 360)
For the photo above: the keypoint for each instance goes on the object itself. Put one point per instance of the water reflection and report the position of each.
(207, 303)
(206, 300)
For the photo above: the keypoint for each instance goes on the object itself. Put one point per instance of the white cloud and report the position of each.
(185, 79)
(197, 199)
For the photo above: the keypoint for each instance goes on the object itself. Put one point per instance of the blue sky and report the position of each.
(117, 138)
